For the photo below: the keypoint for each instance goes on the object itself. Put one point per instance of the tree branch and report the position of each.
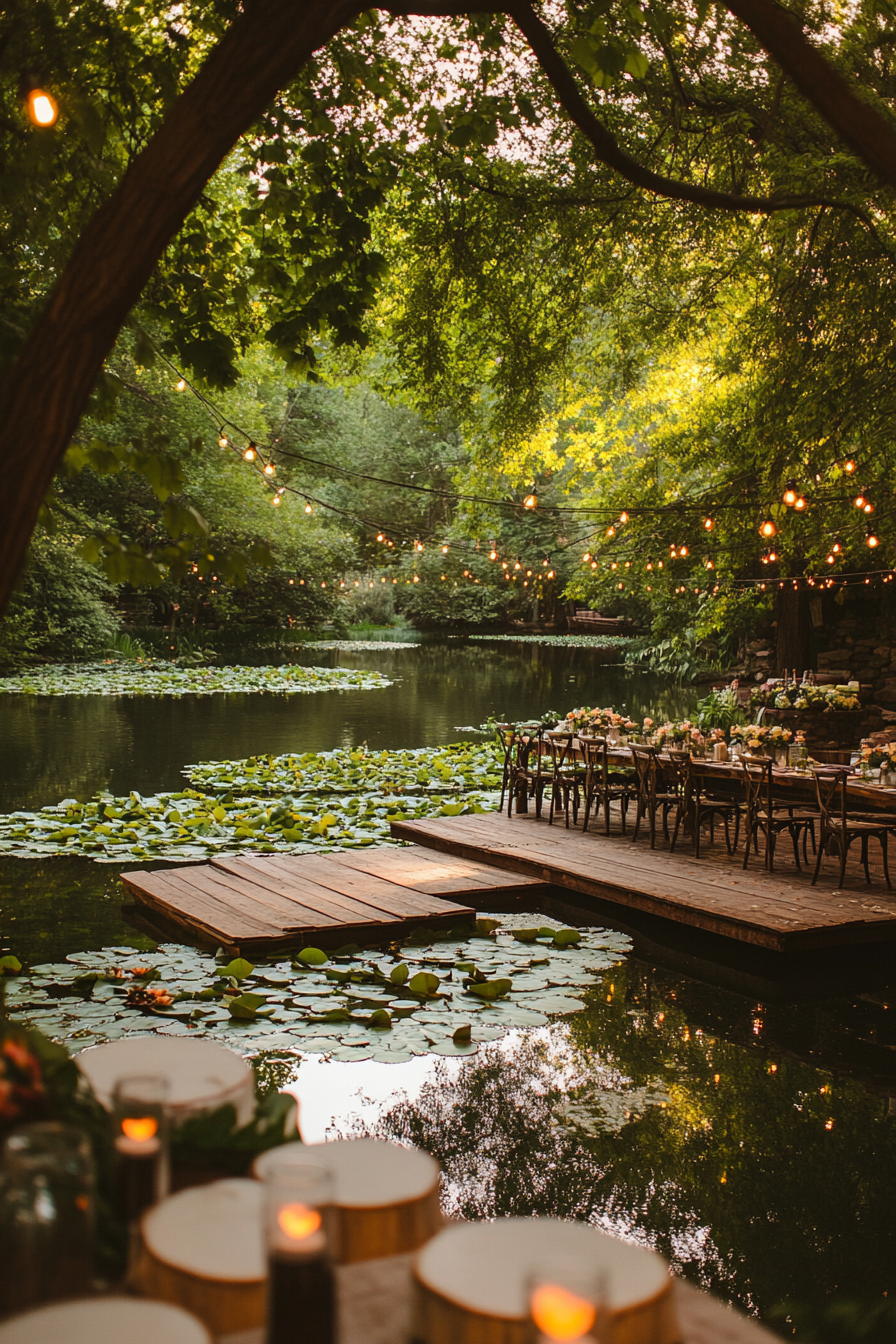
(43, 397)
(610, 152)
(868, 134)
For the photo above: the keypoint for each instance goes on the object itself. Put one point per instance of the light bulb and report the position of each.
(709, 524)
(873, 540)
(269, 469)
(531, 500)
(683, 550)
(308, 508)
(623, 517)
(767, 528)
(849, 465)
(587, 555)
(868, 508)
(42, 108)
(800, 504)
(223, 441)
(859, 500)
(276, 500)
(611, 531)
(831, 559)
(444, 550)
(836, 548)
(790, 494)
(249, 453)
(493, 555)
(380, 537)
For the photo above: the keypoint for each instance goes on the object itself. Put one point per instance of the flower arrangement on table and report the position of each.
(587, 720)
(761, 736)
(877, 756)
(803, 696)
(683, 734)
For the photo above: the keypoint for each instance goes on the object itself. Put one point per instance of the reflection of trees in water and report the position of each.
(720, 1156)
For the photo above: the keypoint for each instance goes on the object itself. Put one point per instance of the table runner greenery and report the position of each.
(163, 678)
(439, 993)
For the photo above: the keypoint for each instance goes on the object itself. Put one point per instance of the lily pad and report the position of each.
(491, 989)
(312, 956)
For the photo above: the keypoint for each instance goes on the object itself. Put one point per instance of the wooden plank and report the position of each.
(366, 887)
(251, 896)
(163, 891)
(755, 908)
(303, 892)
(436, 874)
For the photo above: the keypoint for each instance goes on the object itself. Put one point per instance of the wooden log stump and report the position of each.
(470, 1282)
(201, 1074)
(104, 1320)
(387, 1195)
(203, 1249)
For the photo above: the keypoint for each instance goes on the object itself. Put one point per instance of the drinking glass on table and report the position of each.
(567, 1302)
(46, 1215)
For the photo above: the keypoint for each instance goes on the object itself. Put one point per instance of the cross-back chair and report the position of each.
(566, 778)
(527, 776)
(603, 786)
(653, 793)
(763, 814)
(841, 830)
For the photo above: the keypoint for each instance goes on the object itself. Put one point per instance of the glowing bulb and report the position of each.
(869, 508)
(418, 545)
(275, 501)
(650, 564)
(308, 508)
(560, 1314)
(517, 565)
(790, 494)
(249, 453)
(831, 559)
(683, 550)
(849, 465)
(800, 504)
(269, 469)
(297, 1220)
(550, 573)
(140, 1127)
(859, 500)
(611, 531)
(709, 524)
(623, 517)
(587, 555)
(493, 555)
(767, 528)
(530, 501)
(223, 441)
(380, 537)
(836, 548)
(873, 540)
(444, 550)
(42, 108)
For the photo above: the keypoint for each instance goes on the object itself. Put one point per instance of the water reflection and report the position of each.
(758, 1175)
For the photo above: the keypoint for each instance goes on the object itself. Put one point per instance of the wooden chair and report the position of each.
(601, 786)
(566, 780)
(652, 792)
(838, 828)
(527, 778)
(506, 735)
(702, 805)
(762, 814)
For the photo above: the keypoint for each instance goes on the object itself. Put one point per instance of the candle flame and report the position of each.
(560, 1314)
(140, 1127)
(298, 1221)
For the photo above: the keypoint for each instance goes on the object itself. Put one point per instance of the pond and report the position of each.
(752, 1142)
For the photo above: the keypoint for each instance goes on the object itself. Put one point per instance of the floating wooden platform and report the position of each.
(778, 910)
(279, 900)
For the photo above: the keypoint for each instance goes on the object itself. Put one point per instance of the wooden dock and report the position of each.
(778, 910)
(323, 900)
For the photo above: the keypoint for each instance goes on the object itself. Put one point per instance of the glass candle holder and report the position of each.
(299, 1233)
(567, 1302)
(46, 1215)
(140, 1122)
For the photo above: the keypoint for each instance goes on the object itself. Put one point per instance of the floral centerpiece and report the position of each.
(683, 734)
(761, 736)
(802, 696)
(877, 756)
(587, 720)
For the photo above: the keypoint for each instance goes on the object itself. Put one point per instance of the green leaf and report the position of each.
(380, 1018)
(10, 965)
(239, 968)
(566, 937)
(246, 1006)
(485, 927)
(491, 989)
(398, 974)
(525, 935)
(424, 983)
(463, 1035)
(312, 956)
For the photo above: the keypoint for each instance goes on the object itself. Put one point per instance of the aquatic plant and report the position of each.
(162, 678)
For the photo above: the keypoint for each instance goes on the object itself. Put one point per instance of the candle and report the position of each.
(560, 1314)
(301, 1285)
(140, 1144)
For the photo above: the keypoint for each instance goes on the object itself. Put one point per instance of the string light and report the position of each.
(872, 540)
(249, 453)
(623, 517)
(767, 528)
(308, 508)
(269, 469)
(531, 500)
(42, 107)
(800, 505)
(790, 494)
(444, 550)
(223, 441)
(709, 524)
(849, 466)
(180, 385)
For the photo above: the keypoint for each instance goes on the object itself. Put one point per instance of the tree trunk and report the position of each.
(47, 389)
(792, 611)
